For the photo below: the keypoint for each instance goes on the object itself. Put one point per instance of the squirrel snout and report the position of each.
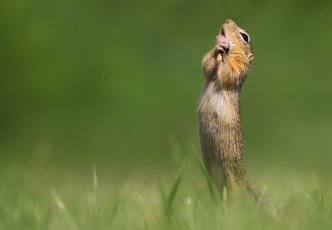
(229, 21)
(229, 25)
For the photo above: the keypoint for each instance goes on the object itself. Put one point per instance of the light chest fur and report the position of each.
(219, 105)
(220, 131)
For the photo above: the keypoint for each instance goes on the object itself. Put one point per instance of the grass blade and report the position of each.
(214, 194)
(64, 218)
(168, 199)
(95, 190)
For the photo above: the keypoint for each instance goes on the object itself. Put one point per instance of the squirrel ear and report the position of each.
(251, 57)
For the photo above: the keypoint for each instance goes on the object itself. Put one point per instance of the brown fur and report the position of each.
(219, 108)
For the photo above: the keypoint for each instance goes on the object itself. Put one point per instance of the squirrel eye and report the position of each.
(245, 37)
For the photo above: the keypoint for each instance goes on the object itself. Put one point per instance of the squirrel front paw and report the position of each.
(222, 44)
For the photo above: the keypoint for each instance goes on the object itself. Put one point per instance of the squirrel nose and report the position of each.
(228, 21)
(229, 24)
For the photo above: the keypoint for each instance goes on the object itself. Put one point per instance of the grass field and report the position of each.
(49, 199)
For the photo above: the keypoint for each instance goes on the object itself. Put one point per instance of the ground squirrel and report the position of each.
(225, 68)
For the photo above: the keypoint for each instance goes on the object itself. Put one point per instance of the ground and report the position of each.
(181, 199)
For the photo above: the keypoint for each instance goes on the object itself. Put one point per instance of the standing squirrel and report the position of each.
(225, 68)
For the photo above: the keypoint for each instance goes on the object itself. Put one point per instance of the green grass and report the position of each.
(33, 199)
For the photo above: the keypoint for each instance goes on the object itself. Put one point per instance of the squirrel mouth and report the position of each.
(222, 31)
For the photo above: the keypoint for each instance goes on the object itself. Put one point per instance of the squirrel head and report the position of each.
(231, 57)
(234, 56)
(232, 41)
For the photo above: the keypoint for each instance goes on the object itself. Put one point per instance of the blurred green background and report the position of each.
(117, 82)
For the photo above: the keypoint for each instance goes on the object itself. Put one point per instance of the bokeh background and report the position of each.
(116, 83)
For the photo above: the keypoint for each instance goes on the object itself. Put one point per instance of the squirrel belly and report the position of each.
(220, 135)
